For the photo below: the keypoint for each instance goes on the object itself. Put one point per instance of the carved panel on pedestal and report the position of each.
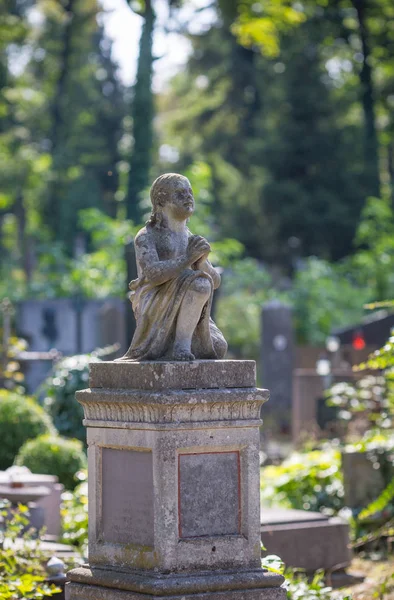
(209, 494)
(127, 497)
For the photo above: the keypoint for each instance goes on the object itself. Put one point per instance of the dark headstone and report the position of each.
(277, 356)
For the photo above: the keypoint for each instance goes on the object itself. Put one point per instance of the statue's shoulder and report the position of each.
(143, 237)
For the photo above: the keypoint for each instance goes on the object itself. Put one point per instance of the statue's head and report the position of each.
(171, 191)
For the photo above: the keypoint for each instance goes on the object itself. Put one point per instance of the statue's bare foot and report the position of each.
(182, 353)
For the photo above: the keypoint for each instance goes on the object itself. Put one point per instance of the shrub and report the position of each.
(54, 455)
(22, 571)
(21, 419)
(305, 481)
(58, 392)
(75, 515)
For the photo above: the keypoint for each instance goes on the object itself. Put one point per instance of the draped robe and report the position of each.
(156, 309)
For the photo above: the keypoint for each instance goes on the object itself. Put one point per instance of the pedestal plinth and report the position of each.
(173, 483)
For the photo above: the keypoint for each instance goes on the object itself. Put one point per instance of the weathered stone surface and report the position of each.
(209, 504)
(156, 375)
(170, 552)
(307, 541)
(362, 483)
(284, 516)
(169, 585)
(75, 591)
(172, 296)
(204, 470)
(127, 498)
(125, 408)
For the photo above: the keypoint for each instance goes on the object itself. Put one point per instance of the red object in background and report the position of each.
(358, 342)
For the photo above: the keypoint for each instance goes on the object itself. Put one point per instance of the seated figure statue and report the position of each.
(172, 296)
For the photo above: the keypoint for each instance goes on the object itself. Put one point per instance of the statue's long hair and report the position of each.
(160, 192)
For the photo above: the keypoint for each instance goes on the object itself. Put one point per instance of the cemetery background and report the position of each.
(288, 126)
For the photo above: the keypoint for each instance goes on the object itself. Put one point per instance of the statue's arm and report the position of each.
(157, 271)
(205, 266)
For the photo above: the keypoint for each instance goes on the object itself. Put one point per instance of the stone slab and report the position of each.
(280, 516)
(170, 552)
(75, 591)
(362, 483)
(169, 375)
(158, 585)
(209, 504)
(309, 545)
(127, 500)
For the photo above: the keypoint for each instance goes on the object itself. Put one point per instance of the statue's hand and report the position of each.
(197, 248)
(201, 263)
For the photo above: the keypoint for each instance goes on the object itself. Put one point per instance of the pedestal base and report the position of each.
(173, 484)
(107, 584)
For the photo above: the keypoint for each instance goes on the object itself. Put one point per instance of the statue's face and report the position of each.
(181, 203)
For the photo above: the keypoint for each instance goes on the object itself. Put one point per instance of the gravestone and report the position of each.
(173, 436)
(71, 325)
(277, 357)
(362, 481)
(174, 495)
(308, 541)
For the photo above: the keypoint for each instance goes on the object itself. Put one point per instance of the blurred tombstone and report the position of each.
(362, 481)
(47, 505)
(277, 357)
(45, 324)
(71, 326)
(111, 318)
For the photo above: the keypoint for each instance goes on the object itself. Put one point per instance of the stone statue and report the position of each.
(172, 296)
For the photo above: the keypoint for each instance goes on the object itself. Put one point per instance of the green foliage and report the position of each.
(373, 395)
(58, 392)
(22, 574)
(261, 23)
(11, 376)
(246, 286)
(75, 515)
(325, 296)
(21, 419)
(54, 455)
(281, 141)
(61, 112)
(298, 585)
(102, 272)
(378, 505)
(372, 398)
(305, 481)
(374, 260)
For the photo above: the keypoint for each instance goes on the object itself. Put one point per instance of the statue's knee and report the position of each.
(202, 285)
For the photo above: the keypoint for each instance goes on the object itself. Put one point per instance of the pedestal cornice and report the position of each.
(120, 408)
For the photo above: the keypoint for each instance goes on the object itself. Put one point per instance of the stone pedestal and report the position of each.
(173, 483)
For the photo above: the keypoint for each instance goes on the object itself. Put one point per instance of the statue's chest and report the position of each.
(170, 245)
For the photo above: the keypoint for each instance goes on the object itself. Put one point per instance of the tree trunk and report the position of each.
(390, 165)
(368, 102)
(24, 243)
(52, 212)
(142, 113)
